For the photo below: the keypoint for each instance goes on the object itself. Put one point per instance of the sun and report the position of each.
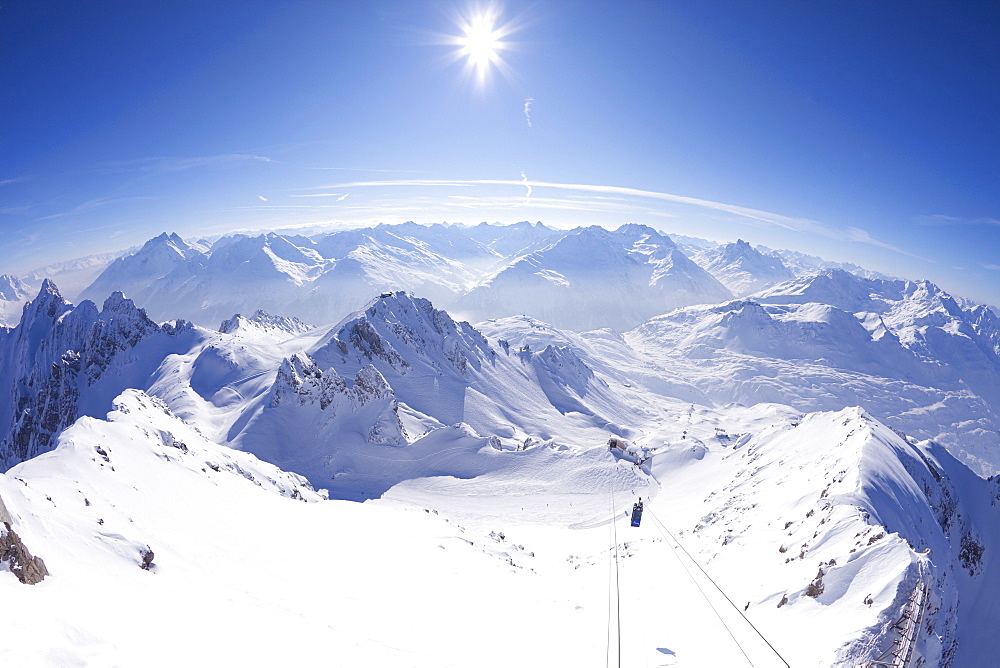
(481, 42)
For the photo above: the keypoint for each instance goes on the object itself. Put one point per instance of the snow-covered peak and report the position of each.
(593, 278)
(56, 366)
(635, 231)
(265, 323)
(47, 306)
(399, 330)
(130, 274)
(265, 257)
(512, 240)
(836, 287)
(12, 288)
(170, 240)
(742, 268)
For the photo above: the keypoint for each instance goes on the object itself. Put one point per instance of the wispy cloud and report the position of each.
(862, 236)
(171, 164)
(379, 171)
(16, 179)
(528, 101)
(992, 267)
(340, 196)
(939, 219)
(791, 223)
(261, 198)
(92, 204)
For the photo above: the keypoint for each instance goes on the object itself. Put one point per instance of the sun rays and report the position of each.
(481, 43)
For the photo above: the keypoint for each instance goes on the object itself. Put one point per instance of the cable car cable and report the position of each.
(663, 528)
(618, 600)
(607, 645)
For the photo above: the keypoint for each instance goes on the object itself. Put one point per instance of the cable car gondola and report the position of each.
(637, 513)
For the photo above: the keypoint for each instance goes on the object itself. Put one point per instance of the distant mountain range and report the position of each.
(586, 278)
(833, 434)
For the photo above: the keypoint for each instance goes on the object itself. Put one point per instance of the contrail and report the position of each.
(527, 195)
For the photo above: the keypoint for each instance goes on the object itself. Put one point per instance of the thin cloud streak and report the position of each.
(862, 236)
(939, 219)
(379, 171)
(172, 164)
(801, 225)
(90, 205)
(528, 101)
(786, 222)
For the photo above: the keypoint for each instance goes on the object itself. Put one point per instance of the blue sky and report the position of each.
(857, 131)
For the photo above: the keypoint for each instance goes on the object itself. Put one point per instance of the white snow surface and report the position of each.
(823, 450)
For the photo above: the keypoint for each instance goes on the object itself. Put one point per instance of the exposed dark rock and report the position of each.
(147, 558)
(56, 352)
(27, 568)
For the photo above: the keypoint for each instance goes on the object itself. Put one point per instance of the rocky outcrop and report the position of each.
(369, 398)
(27, 568)
(399, 334)
(57, 352)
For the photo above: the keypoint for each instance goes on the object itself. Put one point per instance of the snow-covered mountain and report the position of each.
(593, 278)
(807, 265)
(62, 362)
(513, 240)
(130, 274)
(904, 351)
(13, 294)
(316, 280)
(586, 278)
(742, 268)
(73, 276)
(12, 288)
(262, 323)
(825, 449)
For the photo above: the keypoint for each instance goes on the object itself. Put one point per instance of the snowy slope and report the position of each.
(807, 521)
(905, 352)
(132, 273)
(402, 374)
(529, 541)
(593, 278)
(242, 572)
